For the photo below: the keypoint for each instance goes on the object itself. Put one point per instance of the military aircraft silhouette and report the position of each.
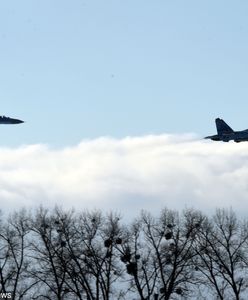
(225, 133)
(7, 120)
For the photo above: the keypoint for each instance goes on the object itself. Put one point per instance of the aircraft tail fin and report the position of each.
(222, 127)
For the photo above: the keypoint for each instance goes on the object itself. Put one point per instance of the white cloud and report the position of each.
(127, 174)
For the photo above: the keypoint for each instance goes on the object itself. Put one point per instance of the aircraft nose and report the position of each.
(19, 121)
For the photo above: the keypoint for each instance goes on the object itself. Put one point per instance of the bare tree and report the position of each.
(222, 254)
(46, 247)
(75, 254)
(13, 255)
(158, 256)
(92, 267)
(57, 254)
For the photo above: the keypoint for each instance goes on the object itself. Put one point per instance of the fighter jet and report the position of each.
(7, 120)
(225, 133)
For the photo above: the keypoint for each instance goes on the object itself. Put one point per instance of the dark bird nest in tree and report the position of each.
(132, 268)
(107, 243)
(168, 235)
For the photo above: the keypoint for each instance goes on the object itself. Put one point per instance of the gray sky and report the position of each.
(116, 96)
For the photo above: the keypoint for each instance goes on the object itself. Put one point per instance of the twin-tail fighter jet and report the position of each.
(7, 120)
(225, 133)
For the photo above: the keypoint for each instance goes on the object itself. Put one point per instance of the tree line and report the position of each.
(90, 255)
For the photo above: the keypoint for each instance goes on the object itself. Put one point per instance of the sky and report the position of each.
(88, 72)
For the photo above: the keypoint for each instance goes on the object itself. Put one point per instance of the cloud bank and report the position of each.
(127, 174)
